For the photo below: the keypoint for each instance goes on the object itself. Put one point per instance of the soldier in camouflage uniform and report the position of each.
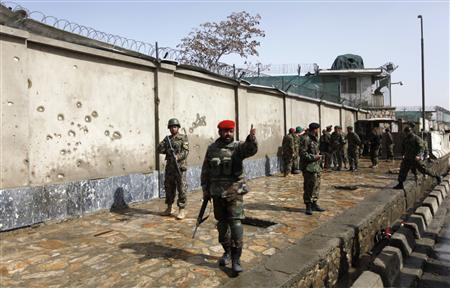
(311, 158)
(175, 178)
(344, 149)
(389, 145)
(337, 144)
(375, 144)
(296, 159)
(222, 179)
(325, 146)
(412, 148)
(354, 142)
(287, 148)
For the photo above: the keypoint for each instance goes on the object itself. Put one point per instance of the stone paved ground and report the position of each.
(140, 248)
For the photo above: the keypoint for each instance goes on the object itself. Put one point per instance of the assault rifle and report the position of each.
(172, 153)
(200, 218)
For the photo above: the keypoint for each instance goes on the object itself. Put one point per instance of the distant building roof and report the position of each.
(368, 71)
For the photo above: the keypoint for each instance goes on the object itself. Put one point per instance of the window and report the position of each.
(348, 85)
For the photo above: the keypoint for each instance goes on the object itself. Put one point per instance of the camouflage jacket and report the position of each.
(308, 153)
(287, 146)
(180, 146)
(388, 139)
(353, 141)
(297, 141)
(222, 170)
(412, 146)
(325, 142)
(337, 140)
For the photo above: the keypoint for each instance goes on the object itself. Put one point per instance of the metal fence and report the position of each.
(154, 50)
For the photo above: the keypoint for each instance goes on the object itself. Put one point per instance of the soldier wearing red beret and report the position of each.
(222, 179)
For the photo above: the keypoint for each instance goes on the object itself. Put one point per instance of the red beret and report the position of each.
(292, 130)
(226, 124)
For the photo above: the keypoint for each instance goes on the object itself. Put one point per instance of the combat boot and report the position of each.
(181, 214)
(296, 172)
(169, 211)
(398, 186)
(226, 257)
(316, 207)
(236, 260)
(308, 209)
(439, 179)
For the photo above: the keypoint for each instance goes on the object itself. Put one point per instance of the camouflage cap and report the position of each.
(337, 127)
(350, 127)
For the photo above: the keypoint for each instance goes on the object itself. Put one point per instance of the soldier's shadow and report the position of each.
(264, 206)
(151, 250)
(120, 206)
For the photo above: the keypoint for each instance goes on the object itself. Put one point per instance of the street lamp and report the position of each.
(423, 74)
(390, 90)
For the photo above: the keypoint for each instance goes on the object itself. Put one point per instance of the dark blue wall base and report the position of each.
(25, 206)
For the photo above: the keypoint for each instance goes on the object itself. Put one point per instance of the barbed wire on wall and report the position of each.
(152, 50)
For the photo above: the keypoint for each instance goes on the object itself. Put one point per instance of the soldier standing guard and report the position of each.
(389, 145)
(325, 146)
(375, 143)
(353, 148)
(176, 148)
(222, 179)
(296, 159)
(310, 157)
(287, 148)
(337, 144)
(412, 148)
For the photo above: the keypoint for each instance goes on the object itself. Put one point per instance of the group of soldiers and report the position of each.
(223, 181)
(339, 149)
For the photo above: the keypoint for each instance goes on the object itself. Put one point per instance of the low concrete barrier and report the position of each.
(388, 265)
(432, 203)
(368, 280)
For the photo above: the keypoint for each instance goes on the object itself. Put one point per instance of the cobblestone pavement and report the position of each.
(140, 248)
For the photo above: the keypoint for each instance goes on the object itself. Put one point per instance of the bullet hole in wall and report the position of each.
(40, 109)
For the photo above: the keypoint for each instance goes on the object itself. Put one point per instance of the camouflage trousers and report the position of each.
(295, 163)
(344, 156)
(353, 158)
(172, 183)
(287, 164)
(390, 152)
(229, 212)
(337, 158)
(311, 187)
(327, 159)
(374, 154)
(413, 165)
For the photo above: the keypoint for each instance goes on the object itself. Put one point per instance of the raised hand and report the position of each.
(252, 131)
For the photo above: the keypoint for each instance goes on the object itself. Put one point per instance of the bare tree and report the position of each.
(204, 46)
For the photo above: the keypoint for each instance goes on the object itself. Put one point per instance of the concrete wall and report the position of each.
(330, 115)
(14, 108)
(300, 112)
(78, 123)
(348, 118)
(90, 117)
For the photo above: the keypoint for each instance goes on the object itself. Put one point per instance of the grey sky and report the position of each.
(296, 32)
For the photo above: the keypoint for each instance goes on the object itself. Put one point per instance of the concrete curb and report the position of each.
(388, 265)
(414, 241)
(368, 280)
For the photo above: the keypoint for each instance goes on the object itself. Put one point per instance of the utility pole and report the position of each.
(423, 74)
